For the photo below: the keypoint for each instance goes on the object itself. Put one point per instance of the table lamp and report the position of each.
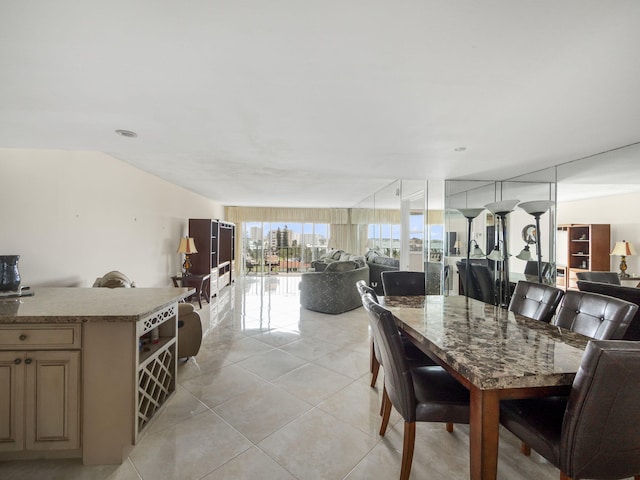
(623, 249)
(187, 246)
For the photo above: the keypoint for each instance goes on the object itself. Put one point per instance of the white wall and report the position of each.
(73, 216)
(620, 211)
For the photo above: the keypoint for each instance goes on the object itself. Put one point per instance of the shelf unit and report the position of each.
(215, 242)
(584, 247)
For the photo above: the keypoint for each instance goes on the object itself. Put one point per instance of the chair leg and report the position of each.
(386, 413)
(407, 449)
(525, 449)
(383, 400)
(450, 427)
(564, 476)
(374, 366)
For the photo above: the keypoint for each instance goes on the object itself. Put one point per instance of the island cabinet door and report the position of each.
(52, 416)
(11, 401)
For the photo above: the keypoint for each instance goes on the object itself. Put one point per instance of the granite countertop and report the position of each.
(66, 305)
(488, 345)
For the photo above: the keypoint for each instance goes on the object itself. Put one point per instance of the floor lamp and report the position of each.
(501, 210)
(537, 209)
(469, 214)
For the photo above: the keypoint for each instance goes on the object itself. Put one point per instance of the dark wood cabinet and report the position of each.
(215, 240)
(585, 247)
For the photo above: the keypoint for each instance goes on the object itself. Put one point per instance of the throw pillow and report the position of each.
(340, 267)
(359, 260)
(344, 257)
(337, 254)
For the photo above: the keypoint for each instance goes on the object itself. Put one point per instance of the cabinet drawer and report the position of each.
(29, 337)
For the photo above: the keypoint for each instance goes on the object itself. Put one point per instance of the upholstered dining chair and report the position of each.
(473, 289)
(602, 277)
(484, 280)
(419, 394)
(414, 355)
(400, 282)
(535, 300)
(594, 315)
(593, 433)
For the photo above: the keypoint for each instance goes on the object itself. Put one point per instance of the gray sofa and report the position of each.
(333, 289)
(379, 263)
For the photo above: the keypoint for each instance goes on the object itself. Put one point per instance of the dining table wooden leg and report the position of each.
(484, 427)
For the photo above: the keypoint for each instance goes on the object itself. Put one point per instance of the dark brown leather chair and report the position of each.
(414, 355)
(630, 294)
(602, 277)
(404, 283)
(536, 301)
(485, 283)
(473, 289)
(594, 432)
(419, 394)
(594, 315)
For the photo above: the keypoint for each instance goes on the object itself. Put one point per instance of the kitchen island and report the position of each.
(83, 371)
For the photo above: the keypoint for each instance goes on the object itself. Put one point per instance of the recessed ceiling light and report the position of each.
(459, 149)
(127, 133)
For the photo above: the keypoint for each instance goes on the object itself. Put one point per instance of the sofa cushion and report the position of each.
(388, 261)
(336, 254)
(359, 260)
(340, 267)
(345, 257)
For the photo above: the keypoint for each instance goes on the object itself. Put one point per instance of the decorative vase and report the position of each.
(9, 274)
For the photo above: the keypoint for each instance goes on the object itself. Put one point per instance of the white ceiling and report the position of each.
(320, 103)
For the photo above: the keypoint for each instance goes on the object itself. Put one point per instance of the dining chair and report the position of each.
(597, 316)
(593, 433)
(419, 394)
(414, 355)
(602, 277)
(630, 294)
(473, 289)
(536, 301)
(400, 282)
(531, 268)
(484, 280)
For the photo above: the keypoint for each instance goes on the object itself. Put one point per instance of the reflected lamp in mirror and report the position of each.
(476, 251)
(187, 247)
(497, 254)
(525, 254)
(623, 249)
(456, 247)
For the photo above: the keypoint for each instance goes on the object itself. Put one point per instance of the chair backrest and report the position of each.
(531, 268)
(600, 436)
(630, 294)
(398, 282)
(594, 315)
(535, 300)
(474, 290)
(602, 277)
(398, 381)
(485, 282)
(363, 289)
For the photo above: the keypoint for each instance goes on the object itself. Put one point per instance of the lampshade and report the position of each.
(477, 251)
(525, 254)
(187, 245)
(495, 255)
(503, 207)
(470, 212)
(537, 207)
(623, 248)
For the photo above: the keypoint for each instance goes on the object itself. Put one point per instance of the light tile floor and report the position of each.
(279, 392)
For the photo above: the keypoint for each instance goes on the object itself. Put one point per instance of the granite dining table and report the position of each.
(495, 353)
